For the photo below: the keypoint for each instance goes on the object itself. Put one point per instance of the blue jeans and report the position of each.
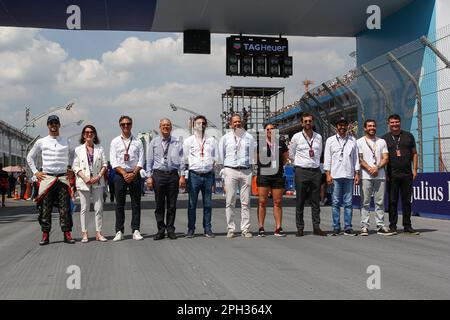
(342, 196)
(197, 183)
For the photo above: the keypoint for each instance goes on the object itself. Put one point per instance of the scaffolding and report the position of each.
(254, 104)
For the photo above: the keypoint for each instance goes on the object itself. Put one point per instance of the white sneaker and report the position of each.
(230, 234)
(247, 234)
(119, 236)
(137, 235)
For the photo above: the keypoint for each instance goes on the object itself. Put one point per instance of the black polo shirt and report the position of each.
(400, 166)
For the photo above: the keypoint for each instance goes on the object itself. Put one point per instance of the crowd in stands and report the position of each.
(319, 91)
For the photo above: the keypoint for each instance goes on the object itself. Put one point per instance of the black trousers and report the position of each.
(57, 196)
(166, 193)
(35, 190)
(307, 185)
(121, 188)
(402, 185)
(111, 191)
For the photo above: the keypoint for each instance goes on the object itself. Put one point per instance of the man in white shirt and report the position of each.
(126, 155)
(373, 157)
(237, 151)
(54, 180)
(305, 151)
(341, 165)
(200, 154)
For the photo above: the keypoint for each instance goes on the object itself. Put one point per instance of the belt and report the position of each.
(55, 175)
(165, 172)
(238, 168)
(309, 169)
(201, 174)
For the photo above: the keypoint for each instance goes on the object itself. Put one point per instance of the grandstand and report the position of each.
(412, 80)
(327, 102)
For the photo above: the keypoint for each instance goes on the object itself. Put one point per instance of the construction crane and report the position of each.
(307, 83)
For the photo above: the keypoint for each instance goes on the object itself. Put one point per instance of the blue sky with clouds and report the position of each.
(108, 74)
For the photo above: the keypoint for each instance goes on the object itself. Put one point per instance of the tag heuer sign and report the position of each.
(258, 45)
(258, 57)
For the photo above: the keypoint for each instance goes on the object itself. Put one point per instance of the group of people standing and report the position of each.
(171, 164)
(375, 164)
(8, 183)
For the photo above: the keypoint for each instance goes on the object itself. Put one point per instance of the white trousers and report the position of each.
(235, 179)
(85, 202)
(376, 188)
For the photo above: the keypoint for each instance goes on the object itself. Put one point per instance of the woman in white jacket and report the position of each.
(89, 165)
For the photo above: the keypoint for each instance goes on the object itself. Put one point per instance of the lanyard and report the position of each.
(309, 144)
(270, 146)
(397, 141)
(202, 147)
(90, 158)
(237, 145)
(373, 150)
(127, 148)
(341, 156)
(345, 143)
(166, 150)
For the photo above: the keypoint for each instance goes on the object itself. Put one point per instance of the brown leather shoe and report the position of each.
(299, 233)
(319, 232)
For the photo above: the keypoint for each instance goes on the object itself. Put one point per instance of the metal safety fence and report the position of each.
(412, 81)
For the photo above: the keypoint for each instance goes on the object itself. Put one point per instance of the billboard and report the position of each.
(431, 194)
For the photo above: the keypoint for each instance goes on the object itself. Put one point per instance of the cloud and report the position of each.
(16, 38)
(88, 74)
(163, 60)
(36, 63)
(152, 103)
(140, 78)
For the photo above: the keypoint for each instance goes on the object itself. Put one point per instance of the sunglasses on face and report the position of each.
(89, 132)
(52, 123)
(307, 121)
(125, 124)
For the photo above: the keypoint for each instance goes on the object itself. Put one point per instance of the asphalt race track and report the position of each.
(312, 267)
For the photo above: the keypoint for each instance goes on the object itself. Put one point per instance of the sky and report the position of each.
(107, 74)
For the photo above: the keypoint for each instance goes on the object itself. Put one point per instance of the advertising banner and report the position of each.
(431, 194)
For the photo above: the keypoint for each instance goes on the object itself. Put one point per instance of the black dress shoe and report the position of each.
(412, 231)
(299, 233)
(393, 230)
(45, 239)
(172, 235)
(68, 238)
(319, 232)
(159, 236)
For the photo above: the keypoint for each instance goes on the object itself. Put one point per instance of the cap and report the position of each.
(341, 120)
(52, 118)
